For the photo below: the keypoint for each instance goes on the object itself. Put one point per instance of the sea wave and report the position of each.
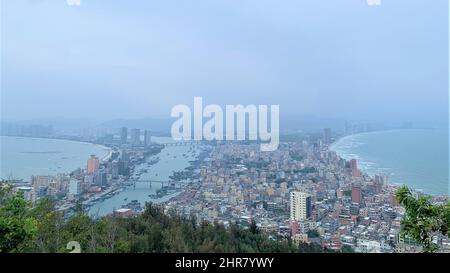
(412, 157)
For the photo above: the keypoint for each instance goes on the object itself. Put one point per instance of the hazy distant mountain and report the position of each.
(309, 123)
(162, 126)
(287, 124)
(152, 124)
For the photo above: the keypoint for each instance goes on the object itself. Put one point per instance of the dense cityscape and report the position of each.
(215, 135)
(302, 191)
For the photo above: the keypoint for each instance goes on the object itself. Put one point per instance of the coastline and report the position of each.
(108, 156)
(376, 132)
(114, 190)
(103, 158)
(371, 174)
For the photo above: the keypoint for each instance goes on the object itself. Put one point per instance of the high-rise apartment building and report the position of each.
(93, 164)
(356, 194)
(147, 138)
(135, 136)
(75, 187)
(354, 168)
(301, 207)
(123, 135)
(327, 135)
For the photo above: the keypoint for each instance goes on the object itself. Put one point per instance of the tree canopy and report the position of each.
(423, 219)
(42, 229)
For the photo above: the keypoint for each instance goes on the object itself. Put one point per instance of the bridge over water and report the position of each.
(163, 183)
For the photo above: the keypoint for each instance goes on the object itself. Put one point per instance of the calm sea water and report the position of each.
(22, 157)
(417, 158)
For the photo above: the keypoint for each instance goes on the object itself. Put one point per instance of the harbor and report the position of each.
(157, 179)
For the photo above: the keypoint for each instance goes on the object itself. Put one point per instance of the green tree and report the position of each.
(422, 219)
(347, 249)
(16, 225)
(42, 229)
(313, 234)
(254, 228)
(49, 223)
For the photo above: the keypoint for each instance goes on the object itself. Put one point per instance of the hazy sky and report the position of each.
(128, 59)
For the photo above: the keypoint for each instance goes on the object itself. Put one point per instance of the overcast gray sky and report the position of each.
(129, 59)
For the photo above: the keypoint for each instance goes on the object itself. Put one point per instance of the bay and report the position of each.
(22, 157)
(418, 158)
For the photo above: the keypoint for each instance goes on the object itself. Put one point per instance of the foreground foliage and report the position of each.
(422, 219)
(41, 229)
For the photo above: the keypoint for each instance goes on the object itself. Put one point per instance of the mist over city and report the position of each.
(327, 61)
(177, 128)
